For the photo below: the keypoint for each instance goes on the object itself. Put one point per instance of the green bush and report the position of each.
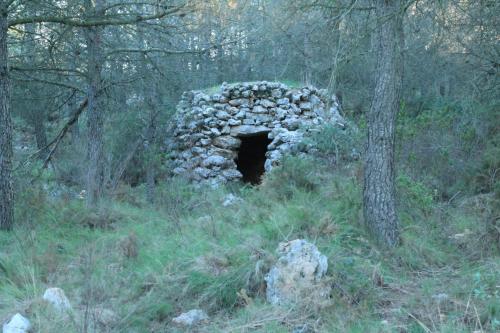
(294, 174)
(337, 143)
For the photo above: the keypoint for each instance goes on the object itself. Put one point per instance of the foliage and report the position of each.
(339, 144)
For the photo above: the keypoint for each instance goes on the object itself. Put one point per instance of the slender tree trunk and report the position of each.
(150, 169)
(75, 129)
(41, 136)
(95, 116)
(6, 189)
(150, 90)
(36, 116)
(379, 174)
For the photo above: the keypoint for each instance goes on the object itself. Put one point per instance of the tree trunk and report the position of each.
(150, 91)
(41, 137)
(6, 189)
(151, 167)
(36, 116)
(379, 174)
(72, 104)
(95, 117)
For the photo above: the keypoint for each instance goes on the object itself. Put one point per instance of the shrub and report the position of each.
(337, 143)
(293, 174)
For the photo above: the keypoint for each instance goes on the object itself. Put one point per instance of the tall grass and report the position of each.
(191, 252)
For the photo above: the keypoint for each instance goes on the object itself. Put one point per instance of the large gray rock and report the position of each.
(191, 318)
(227, 142)
(57, 299)
(249, 130)
(298, 274)
(17, 324)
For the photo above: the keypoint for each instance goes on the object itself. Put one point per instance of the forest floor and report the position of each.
(149, 263)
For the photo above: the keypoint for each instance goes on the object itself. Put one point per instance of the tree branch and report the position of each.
(63, 132)
(145, 51)
(80, 22)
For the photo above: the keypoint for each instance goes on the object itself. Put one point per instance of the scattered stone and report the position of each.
(58, 300)
(17, 324)
(230, 200)
(298, 275)
(191, 318)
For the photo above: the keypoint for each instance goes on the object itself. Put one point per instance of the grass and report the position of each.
(150, 263)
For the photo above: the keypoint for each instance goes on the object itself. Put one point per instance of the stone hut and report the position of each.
(244, 129)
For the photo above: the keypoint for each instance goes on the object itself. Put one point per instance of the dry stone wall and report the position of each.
(208, 128)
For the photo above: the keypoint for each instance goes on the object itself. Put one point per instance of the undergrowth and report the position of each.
(148, 263)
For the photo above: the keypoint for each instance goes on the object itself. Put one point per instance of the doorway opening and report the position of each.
(252, 157)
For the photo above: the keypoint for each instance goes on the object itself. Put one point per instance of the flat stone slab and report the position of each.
(249, 130)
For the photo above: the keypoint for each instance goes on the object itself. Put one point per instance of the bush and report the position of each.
(337, 143)
(293, 174)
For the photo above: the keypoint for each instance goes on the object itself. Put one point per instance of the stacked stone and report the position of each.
(206, 130)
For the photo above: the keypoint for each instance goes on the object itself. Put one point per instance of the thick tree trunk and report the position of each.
(379, 175)
(95, 116)
(6, 189)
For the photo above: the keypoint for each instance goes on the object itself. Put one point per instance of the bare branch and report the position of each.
(55, 143)
(106, 20)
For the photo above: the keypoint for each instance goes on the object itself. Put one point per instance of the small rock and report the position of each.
(222, 115)
(306, 106)
(232, 174)
(227, 142)
(202, 172)
(283, 101)
(17, 324)
(267, 103)
(234, 122)
(259, 109)
(191, 318)
(230, 200)
(214, 160)
(215, 132)
(298, 274)
(58, 300)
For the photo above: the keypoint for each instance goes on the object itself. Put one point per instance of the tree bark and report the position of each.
(6, 188)
(95, 116)
(379, 174)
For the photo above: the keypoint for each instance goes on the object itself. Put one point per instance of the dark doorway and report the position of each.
(252, 156)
